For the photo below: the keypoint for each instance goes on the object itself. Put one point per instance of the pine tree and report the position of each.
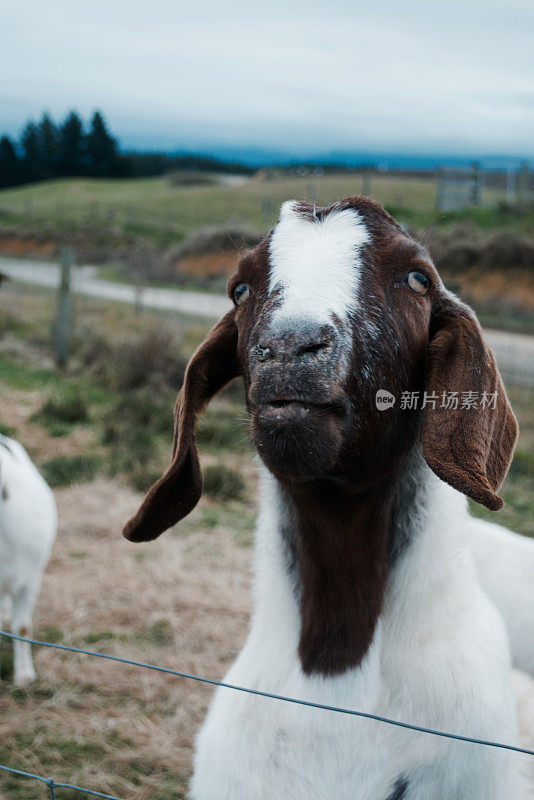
(101, 147)
(10, 167)
(30, 144)
(72, 154)
(48, 146)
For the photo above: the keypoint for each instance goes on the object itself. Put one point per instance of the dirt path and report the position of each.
(198, 304)
(514, 351)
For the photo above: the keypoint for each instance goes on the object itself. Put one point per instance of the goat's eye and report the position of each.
(417, 282)
(241, 293)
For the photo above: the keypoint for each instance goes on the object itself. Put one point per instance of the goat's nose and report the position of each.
(304, 343)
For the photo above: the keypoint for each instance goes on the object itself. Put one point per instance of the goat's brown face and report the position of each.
(333, 306)
(328, 311)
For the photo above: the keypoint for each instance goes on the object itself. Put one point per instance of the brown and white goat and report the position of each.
(366, 593)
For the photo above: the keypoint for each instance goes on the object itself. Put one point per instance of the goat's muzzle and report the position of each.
(297, 404)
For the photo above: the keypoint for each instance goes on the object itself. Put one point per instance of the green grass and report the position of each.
(223, 426)
(58, 414)
(66, 470)
(518, 489)
(18, 375)
(222, 483)
(159, 634)
(152, 208)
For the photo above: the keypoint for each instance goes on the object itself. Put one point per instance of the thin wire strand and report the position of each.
(52, 784)
(259, 693)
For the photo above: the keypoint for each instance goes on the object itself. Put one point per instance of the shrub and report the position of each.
(66, 410)
(522, 463)
(220, 429)
(209, 240)
(152, 360)
(212, 239)
(191, 178)
(131, 429)
(65, 470)
(508, 250)
(222, 483)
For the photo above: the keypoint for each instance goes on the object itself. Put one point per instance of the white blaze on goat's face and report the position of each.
(315, 263)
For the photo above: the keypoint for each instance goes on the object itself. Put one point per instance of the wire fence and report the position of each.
(53, 784)
(473, 186)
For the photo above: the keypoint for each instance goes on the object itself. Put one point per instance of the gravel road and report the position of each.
(514, 351)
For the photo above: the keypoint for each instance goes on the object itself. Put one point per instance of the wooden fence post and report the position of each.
(366, 182)
(524, 181)
(266, 208)
(64, 307)
(477, 184)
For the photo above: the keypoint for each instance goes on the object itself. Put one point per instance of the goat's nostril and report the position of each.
(262, 353)
(313, 347)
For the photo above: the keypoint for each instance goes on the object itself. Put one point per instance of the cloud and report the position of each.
(416, 75)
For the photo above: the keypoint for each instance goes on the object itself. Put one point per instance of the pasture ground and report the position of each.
(153, 208)
(182, 601)
(135, 229)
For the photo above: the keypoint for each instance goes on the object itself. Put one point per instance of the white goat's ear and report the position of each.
(176, 493)
(469, 448)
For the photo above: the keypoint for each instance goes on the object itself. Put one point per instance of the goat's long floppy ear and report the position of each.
(176, 493)
(469, 448)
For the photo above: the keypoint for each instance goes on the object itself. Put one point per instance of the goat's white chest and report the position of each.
(437, 656)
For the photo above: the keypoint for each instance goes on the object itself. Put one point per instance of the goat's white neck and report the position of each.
(419, 508)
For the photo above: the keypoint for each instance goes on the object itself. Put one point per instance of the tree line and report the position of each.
(46, 150)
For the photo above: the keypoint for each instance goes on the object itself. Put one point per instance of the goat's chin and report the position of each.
(297, 443)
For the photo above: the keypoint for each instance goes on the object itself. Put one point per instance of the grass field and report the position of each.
(153, 208)
(100, 432)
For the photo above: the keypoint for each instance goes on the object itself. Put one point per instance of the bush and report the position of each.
(66, 470)
(508, 250)
(131, 429)
(220, 429)
(191, 178)
(222, 483)
(213, 239)
(505, 251)
(205, 241)
(153, 359)
(522, 464)
(66, 410)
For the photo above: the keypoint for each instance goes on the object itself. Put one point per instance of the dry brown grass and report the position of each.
(181, 601)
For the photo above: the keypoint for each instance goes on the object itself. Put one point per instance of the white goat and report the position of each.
(505, 567)
(28, 524)
(366, 594)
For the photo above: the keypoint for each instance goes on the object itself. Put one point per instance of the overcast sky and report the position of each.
(404, 77)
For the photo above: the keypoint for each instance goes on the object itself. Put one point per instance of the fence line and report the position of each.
(270, 695)
(308, 703)
(52, 784)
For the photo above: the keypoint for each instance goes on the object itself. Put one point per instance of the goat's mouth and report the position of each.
(298, 439)
(286, 407)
